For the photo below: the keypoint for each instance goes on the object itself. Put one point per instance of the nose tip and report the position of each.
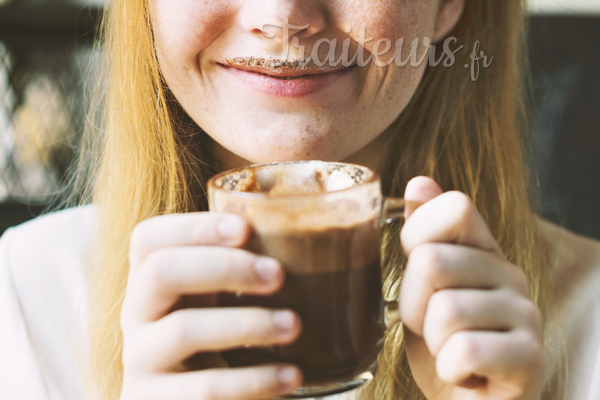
(278, 18)
(277, 29)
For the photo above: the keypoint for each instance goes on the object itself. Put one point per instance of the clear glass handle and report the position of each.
(390, 314)
(392, 210)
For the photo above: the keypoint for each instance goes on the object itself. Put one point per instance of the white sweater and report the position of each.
(44, 306)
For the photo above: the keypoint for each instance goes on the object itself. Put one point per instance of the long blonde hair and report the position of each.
(144, 157)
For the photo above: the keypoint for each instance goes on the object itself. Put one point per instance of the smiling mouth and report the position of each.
(282, 69)
(288, 78)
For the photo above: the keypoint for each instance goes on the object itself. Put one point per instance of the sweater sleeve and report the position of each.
(20, 377)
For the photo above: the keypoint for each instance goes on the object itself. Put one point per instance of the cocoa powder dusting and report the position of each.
(277, 65)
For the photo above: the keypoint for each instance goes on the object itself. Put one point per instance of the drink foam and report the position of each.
(308, 196)
(299, 178)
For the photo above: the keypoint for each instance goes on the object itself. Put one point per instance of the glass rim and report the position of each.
(257, 195)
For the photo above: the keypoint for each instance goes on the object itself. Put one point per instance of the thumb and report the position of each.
(419, 190)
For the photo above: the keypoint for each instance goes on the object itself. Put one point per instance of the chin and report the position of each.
(283, 157)
(279, 153)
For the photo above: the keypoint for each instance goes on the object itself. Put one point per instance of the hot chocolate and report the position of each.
(333, 282)
(330, 250)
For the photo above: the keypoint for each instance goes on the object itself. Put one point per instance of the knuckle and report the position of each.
(203, 229)
(447, 307)
(461, 205)
(138, 234)
(459, 200)
(227, 260)
(532, 313)
(262, 381)
(180, 333)
(127, 358)
(154, 267)
(245, 323)
(242, 263)
(235, 267)
(521, 282)
(257, 322)
(532, 349)
(429, 259)
(134, 347)
(530, 341)
(130, 357)
(209, 385)
(255, 381)
(467, 349)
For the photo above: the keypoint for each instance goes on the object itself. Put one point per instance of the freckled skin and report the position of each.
(331, 124)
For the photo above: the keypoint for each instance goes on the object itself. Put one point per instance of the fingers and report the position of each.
(169, 273)
(262, 382)
(513, 357)
(466, 309)
(451, 311)
(188, 229)
(449, 217)
(420, 190)
(435, 266)
(185, 332)
(195, 254)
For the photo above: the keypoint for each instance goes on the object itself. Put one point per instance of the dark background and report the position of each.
(45, 47)
(565, 56)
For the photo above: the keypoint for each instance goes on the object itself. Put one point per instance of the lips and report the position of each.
(284, 78)
(281, 69)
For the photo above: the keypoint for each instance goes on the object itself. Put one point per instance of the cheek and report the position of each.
(392, 20)
(386, 19)
(183, 28)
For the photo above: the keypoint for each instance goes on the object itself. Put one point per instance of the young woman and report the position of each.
(495, 302)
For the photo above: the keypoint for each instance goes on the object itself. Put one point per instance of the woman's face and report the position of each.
(265, 119)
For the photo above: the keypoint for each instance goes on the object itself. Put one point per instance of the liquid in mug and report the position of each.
(333, 281)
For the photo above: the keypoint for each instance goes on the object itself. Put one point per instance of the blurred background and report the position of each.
(45, 57)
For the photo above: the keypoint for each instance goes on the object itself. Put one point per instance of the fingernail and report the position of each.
(266, 268)
(288, 375)
(284, 320)
(231, 227)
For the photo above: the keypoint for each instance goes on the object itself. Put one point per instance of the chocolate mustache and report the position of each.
(277, 65)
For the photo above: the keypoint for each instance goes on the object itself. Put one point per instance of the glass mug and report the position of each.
(322, 221)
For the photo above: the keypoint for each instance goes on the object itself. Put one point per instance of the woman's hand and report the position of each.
(192, 254)
(471, 330)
